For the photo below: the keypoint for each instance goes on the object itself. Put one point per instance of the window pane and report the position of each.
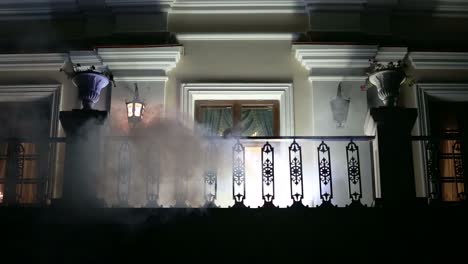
(217, 120)
(257, 121)
(27, 193)
(3, 159)
(30, 161)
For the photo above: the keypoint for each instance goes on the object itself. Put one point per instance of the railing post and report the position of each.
(397, 184)
(354, 174)
(124, 175)
(325, 175)
(238, 175)
(296, 174)
(268, 175)
(43, 170)
(82, 157)
(210, 176)
(433, 172)
(15, 166)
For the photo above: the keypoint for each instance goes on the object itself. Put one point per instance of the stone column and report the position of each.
(83, 159)
(393, 129)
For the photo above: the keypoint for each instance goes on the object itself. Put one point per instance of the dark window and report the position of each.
(21, 179)
(450, 119)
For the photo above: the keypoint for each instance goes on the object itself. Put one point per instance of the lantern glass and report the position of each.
(139, 110)
(130, 109)
(135, 108)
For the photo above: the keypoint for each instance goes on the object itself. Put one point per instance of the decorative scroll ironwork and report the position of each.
(458, 164)
(325, 175)
(238, 174)
(354, 174)
(295, 174)
(210, 176)
(268, 175)
(433, 173)
(19, 156)
(123, 185)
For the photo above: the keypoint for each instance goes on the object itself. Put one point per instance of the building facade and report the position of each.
(285, 72)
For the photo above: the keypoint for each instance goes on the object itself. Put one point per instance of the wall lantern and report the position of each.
(340, 106)
(135, 108)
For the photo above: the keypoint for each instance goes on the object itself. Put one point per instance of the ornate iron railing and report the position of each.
(28, 167)
(257, 172)
(444, 163)
(280, 160)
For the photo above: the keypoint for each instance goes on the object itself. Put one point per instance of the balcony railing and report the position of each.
(443, 167)
(29, 168)
(309, 171)
(246, 172)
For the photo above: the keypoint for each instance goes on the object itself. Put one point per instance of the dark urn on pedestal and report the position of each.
(393, 128)
(90, 85)
(388, 79)
(84, 139)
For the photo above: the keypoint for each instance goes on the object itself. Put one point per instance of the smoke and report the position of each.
(165, 157)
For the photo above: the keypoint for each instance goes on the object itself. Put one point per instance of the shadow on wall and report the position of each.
(58, 27)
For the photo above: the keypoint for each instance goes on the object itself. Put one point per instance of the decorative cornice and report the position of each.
(334, 56)
(141, 5)
(20, 93)
(439, 60)
(85, 57)
(32, 62)
(334, 5)
(151, 58)
(237, 6)
(338, 78)
(454, 92)
(161, 59)
(391, 54)
(236, 36)
(141, 78)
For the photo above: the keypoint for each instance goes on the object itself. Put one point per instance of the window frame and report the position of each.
(283, 92)
(236, 106)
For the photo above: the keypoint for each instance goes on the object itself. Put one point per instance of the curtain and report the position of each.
(449, 188)
(254, 121)
(257, 122)
(217, 120)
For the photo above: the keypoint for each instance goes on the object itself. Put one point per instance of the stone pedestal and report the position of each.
(395, 154)
(83, 157)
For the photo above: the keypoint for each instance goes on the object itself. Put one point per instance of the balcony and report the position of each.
(246, 172)
(337, 176)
